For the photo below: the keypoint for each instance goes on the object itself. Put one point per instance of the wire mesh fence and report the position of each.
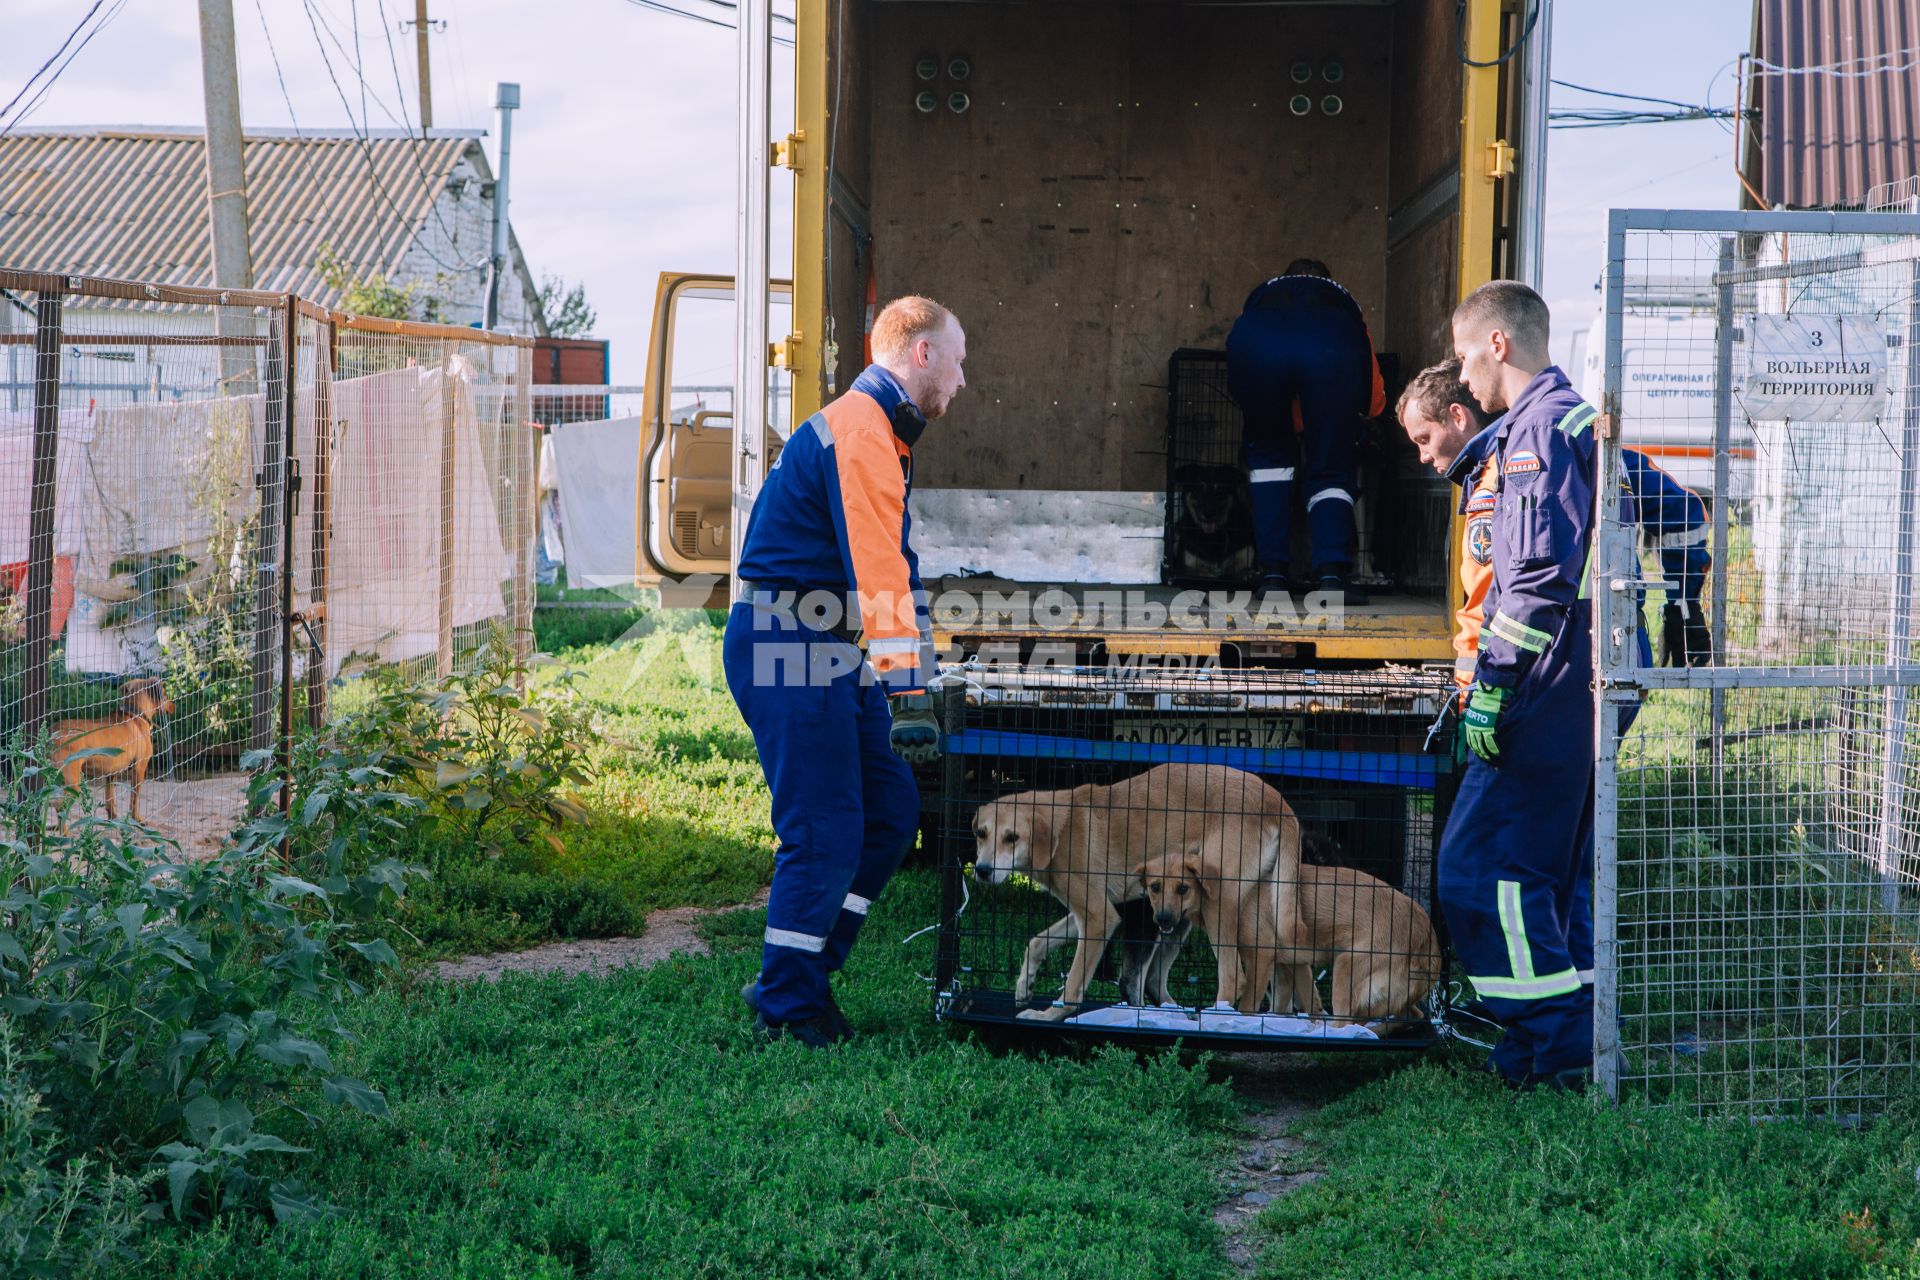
(213, 504)
(1235, 856)
(1756, 818)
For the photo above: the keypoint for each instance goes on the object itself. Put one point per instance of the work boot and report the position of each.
(835, 1020)
(1275, 580)
(1331, 579)
(814, 1033)
(1567, 1080)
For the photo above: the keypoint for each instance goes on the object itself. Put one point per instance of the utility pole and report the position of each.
(420, 25)
(226, 166)
(506, 99)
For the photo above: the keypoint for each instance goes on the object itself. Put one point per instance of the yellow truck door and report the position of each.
(682, 523)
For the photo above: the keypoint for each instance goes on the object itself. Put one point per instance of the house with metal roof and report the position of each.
(1835, 90)
(130, 202)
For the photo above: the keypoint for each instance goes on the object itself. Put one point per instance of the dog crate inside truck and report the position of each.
(1345, 751)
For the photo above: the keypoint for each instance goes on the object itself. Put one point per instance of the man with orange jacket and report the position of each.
(827, 564)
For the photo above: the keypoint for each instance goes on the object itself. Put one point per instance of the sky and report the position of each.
(624, 147)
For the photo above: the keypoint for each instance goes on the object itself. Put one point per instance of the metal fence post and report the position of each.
(289, 322)
(1722, 478)
(321, 521)
(1900, 623)
(46, 446)
(529, 474)
(443, 649)
(271, 481)
(1606, 792)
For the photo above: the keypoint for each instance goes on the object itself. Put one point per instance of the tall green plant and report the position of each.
(490, 766)
(171, 1013)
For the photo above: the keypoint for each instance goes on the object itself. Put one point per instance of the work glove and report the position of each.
(915, 735)
(1673, 636)
(1684, 638)
(1699, 640)
(1482, 720)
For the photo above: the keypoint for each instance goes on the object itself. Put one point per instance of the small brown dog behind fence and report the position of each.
(1254, 865)
(117, 747)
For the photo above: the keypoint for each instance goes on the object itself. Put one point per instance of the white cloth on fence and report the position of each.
(597, 465)
(16, 481)
(165, 490)
(384, 560)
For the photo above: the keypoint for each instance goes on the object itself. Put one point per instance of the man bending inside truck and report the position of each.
(834, 729)
(1300, 365)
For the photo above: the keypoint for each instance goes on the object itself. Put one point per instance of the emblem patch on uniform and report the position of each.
(1522, 463)
(1480, 539)
(1482, 500)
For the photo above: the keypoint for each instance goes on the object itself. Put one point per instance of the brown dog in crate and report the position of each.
(1376, 940)
(1086, 846)
(121, 746)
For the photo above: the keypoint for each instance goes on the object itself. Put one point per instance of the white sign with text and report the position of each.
(1811, 368)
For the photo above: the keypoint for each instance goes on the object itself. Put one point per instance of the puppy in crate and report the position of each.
(1377, 943)
(1086, 845)
(1213, 535)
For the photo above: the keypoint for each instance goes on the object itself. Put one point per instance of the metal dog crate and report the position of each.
(1204, 432)
(1345, 749)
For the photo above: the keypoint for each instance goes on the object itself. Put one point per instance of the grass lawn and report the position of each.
(630, 1125)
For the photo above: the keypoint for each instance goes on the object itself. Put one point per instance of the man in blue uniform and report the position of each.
(1300, 365)
(1513, 844)
(827, 563)
(1445, 423)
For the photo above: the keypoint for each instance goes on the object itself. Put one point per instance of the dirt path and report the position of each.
(1268, 1164)
(199, 813)
(670, 931)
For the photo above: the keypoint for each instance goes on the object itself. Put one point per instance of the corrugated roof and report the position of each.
(1837, 87)
(132, 203)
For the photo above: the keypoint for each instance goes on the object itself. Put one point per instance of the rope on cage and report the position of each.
(1452, 1003)
(966, 900)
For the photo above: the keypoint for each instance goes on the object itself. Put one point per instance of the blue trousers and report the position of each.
(1321, 360)
(1516, 859)
(845, 807)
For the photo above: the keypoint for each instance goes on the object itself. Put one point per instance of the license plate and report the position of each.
(1260, 733)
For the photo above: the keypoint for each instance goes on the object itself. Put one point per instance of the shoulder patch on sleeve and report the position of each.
(1480, 539)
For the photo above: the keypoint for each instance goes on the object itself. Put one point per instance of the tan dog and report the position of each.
(1378, 942)
(1242, 926)
(123, 744)
(1085, 846)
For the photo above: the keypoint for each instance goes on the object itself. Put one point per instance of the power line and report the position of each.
(414, 144)
(366, 148)
(732, 4)
(659, 7)
(1616, 117)
(55, 57)
(306, 157)
(39, 95)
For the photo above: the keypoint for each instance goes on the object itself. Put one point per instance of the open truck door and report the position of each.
(683, 531)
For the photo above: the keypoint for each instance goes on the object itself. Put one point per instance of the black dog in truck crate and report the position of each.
(1213, 535)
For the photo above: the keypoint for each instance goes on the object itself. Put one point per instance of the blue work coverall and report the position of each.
(827, 558)
(1300, 365)
(1511, 853)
